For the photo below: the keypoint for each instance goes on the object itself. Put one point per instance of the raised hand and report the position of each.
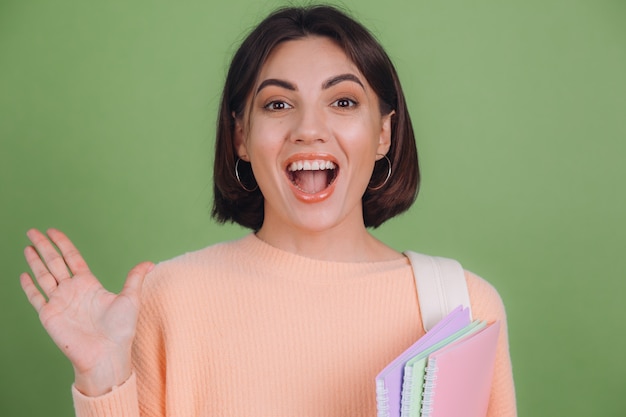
(93, 327)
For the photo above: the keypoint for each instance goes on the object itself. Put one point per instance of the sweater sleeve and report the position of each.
(120, 402)
(149, 349)
(143, 394)
(487, 305)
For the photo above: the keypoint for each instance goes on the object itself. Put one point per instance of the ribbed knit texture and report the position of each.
(244, 329)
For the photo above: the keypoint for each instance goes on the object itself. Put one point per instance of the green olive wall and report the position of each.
(106, 131)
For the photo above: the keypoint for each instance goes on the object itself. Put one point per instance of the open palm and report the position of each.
(93, 327)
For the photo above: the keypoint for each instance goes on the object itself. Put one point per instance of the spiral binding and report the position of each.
(430, 383)
(382, 399)
(407, 389)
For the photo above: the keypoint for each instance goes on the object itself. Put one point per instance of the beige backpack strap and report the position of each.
(441, 286)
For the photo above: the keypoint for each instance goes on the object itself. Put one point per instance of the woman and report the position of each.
(314, 145)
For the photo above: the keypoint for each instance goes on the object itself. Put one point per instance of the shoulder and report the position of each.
(484, 298)
(217, 252)
(212, 256)
(192, 269)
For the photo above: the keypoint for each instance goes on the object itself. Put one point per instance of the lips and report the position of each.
(312, 176)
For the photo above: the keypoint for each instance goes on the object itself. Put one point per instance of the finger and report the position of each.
(72, 256)
(134, 280)
(54, 261)
(44, 278)
(32, 293)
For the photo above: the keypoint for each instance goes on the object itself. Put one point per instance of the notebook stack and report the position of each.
(446, 373)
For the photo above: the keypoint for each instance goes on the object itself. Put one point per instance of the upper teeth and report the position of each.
(316, 165)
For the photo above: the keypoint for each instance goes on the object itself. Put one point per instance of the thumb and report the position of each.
(134, 280)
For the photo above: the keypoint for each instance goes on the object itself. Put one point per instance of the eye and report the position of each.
(344, 103)
(277, 105)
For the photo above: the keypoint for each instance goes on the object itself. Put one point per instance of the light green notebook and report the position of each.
(415, 369)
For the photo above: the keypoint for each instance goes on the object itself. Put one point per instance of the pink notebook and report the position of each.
(458, 376)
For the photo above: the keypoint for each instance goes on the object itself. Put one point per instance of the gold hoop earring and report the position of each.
(239, 179)
(378, 187)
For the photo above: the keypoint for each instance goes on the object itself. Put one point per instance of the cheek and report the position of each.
(265, 144)
(265, 138)
(358, 134)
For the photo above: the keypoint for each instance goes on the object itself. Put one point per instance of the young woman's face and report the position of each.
(312, 133)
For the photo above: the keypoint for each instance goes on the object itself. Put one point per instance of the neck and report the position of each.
(342, 243)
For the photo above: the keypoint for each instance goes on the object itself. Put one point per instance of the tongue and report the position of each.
(311, 182)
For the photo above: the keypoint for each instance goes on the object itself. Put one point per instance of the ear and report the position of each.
(384, 142)
(240, 140)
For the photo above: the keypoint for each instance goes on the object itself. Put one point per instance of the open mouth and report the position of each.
(312, 176)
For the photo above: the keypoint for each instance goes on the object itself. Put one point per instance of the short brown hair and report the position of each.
(235, 204)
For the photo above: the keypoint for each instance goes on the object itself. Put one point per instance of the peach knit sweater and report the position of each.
(244, 329)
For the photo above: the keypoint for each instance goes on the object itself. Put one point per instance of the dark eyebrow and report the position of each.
(279, 83)
(340, 78)
(327, 84)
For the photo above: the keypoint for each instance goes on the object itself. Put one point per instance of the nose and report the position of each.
(310, 126)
